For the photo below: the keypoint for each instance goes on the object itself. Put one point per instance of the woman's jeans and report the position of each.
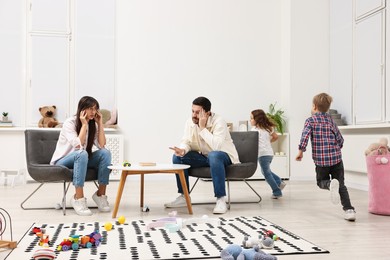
(79, 162)
(216, 160)
(271, 178)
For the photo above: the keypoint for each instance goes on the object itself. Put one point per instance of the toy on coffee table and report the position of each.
(126, 164)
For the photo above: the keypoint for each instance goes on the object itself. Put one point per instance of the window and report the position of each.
(70, 54)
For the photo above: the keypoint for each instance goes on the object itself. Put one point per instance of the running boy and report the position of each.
(326, 143)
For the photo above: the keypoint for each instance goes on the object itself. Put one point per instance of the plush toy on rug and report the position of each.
(236, 252)
(265, 241)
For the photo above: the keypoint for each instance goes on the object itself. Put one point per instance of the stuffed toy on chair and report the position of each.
(236, 252)
(48, 119)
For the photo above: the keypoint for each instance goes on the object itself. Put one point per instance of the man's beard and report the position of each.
(195, 120)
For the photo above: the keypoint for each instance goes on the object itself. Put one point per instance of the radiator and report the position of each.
(114, 143)
(353, 151)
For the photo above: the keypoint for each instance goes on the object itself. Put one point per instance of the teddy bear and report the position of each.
(236, 252)
(379, 148)
(48, 119)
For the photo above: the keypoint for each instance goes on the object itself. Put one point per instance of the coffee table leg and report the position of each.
(119, 193)
(142, 190)
(185, 190)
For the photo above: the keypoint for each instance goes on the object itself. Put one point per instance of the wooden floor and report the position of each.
(304, 210)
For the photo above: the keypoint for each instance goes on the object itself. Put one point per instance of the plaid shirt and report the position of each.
(326, 139)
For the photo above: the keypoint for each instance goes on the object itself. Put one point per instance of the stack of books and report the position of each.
(5, 123)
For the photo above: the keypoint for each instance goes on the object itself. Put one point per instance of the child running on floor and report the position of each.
(326, 144)
(267, 135)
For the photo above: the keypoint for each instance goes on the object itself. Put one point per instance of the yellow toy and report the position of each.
(121, 220)
(108, 226)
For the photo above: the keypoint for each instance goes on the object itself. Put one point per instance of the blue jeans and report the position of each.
(216, 160)
(271, 178)
(79, 162)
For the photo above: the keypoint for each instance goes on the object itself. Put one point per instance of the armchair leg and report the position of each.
(228, 188)
(258, 195)
(229, 202)
(63, 202)
(65, 189)
(193, 186)
(29, 196)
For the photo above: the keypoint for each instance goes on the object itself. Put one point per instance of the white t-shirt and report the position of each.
(265, 147)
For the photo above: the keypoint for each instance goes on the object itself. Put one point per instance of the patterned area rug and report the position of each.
(200, 238)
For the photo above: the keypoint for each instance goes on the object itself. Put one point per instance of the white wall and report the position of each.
(170, 52)
(309, 68)
(241, 54)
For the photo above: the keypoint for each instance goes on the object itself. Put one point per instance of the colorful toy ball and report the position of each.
(121, 220)
(108, 226)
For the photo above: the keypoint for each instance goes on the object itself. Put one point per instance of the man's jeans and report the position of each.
(216, 160)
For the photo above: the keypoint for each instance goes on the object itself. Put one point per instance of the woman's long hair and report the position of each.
(85, 103)
(262, 120)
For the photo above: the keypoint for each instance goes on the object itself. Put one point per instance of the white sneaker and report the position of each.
(282, 185)
(349, 215)
(101, 202)
(334, 191)
(177, 203)
(80, 206)
(220, 207)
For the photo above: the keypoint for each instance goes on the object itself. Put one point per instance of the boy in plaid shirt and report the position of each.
(326, 143)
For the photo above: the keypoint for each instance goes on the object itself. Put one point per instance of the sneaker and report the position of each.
(350, 215)
(275, 197)
(101, 202)
(80, 206)
(334, 191)
(177, 203)
(220, 207)
(282, 185)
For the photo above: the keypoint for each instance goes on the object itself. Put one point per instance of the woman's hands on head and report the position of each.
(84, 117)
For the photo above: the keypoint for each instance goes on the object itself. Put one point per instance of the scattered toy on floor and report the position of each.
(75, 242)
(44, 254)
(236, 252)
(108, 226)
(121, 220)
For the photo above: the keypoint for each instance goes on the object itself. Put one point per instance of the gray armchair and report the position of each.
(40, 146)
(247, 147)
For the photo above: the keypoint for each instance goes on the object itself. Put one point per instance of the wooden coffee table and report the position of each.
(142, 170)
